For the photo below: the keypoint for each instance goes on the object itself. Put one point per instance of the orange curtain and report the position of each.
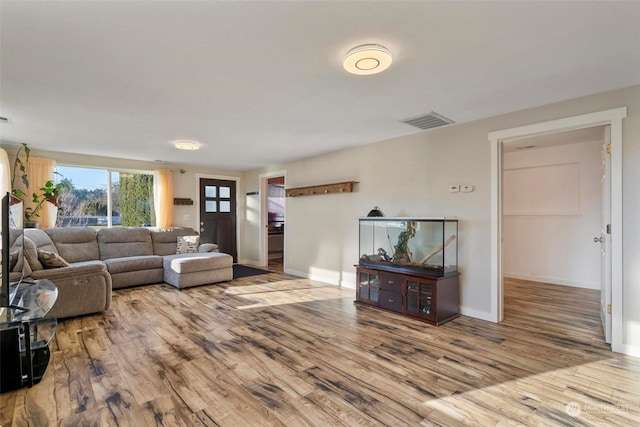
(163, 197)
(5, 172)
(39, 171)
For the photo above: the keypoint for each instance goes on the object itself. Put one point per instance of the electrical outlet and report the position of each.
(454, 188)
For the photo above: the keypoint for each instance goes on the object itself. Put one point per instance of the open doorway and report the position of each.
(553, 206)
(273, 220)
(275, 223)
(611, 117)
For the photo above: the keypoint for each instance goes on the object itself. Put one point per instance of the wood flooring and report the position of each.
(275, 350)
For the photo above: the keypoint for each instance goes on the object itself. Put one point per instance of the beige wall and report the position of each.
(552, 201)
(411, 175)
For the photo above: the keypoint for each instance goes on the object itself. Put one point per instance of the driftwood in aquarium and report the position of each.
(428, 256)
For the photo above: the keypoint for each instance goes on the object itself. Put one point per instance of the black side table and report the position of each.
(25, 334)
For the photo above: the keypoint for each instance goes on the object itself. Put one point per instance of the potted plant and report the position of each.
(48, 193)
(21, 166)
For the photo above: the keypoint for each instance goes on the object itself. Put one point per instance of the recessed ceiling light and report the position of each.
(184, 144)
(367, 59)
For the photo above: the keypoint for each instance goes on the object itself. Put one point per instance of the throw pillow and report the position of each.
(13, 260)
(188, 244)
(51, 259)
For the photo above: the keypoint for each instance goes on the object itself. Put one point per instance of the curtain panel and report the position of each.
(5, 172)
(163, 197)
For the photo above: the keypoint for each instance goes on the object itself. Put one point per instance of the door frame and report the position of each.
(605, 236)
(611, 117)
(264, 217)
(238, 207)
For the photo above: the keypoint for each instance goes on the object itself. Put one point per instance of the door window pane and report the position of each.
(210, 191)
(225, 192)
(225, 206)
(211, 206)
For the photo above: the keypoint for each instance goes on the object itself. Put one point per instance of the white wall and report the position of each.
(552, 208)
(411, 175)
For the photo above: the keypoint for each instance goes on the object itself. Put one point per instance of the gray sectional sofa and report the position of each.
(112, 258)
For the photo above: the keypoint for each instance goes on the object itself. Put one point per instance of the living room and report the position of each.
(405, 175)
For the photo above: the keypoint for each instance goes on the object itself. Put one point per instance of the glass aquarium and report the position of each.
(412, 245)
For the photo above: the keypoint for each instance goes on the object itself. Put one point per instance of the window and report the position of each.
(102, 198)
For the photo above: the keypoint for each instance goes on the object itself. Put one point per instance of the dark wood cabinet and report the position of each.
(432, 299)
(368, 289)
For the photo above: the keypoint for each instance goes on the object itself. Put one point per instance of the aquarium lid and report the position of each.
(410, 218)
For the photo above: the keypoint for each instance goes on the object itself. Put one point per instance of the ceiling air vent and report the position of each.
(429, 121)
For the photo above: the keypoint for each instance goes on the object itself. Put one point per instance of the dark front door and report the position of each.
(218, 214)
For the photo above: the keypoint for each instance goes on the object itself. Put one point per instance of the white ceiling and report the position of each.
(262, 82)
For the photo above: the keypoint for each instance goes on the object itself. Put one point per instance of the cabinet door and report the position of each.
(367, 286)
(420, 299)
(11, 366)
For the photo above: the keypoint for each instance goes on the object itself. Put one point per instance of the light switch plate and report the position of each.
(454, 188)
(467, 188)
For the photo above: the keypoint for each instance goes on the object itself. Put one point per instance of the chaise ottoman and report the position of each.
(194, 269)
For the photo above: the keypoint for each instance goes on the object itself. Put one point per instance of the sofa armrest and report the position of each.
(75, 269)
(208, 247)
(83, 288)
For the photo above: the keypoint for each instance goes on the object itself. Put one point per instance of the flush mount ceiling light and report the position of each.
(186, 145)
(367, 59)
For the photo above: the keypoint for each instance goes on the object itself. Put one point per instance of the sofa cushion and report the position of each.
(13, 260)
(75, 244)
(124, 242)
(192, 262)
(19, 266)
(165, 239)
(133, 263)
(37, 239)
(51, 259)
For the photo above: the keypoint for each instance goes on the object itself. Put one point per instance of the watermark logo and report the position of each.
(573, 409)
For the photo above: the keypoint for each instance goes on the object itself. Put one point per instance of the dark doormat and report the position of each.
(246, 271)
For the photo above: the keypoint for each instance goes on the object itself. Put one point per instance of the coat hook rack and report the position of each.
(340, 187)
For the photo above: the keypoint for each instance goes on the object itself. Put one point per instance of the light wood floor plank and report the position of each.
(276, 350)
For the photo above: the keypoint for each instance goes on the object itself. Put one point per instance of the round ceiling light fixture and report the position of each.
(367, 59)
(184, 144)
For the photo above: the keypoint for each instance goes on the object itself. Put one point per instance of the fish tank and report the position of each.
(427, 246)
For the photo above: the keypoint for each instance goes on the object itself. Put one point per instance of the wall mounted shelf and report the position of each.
(340, 187)
(182, 201)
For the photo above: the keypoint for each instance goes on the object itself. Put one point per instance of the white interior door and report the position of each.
(605, 237)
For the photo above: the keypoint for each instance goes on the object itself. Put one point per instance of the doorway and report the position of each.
(218, 215)
(275, 223)
(272, 220)
(612, 117)
(553, 206)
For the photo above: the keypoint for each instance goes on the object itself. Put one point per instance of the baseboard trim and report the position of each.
(552, 280)
(476, 314)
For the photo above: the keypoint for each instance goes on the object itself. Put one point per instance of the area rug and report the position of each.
(246, 271)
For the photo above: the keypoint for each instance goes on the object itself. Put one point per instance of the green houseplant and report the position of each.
(48, 193)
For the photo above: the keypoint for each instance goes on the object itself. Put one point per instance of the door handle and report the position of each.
(598, 239)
